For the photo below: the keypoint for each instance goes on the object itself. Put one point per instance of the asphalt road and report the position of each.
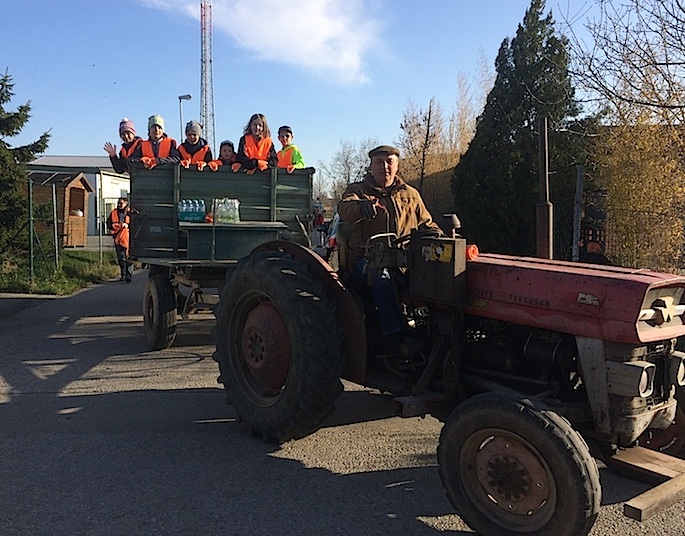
(99, 436)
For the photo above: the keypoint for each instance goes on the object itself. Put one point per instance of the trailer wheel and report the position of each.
(278, 347)
(510, 467)
(159, 312)
(155, 269)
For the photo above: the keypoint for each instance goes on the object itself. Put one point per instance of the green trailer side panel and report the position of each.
(154, 225)
(227, 241)
(270, 196)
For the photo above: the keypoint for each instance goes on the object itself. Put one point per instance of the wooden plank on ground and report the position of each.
(656, 499)
(645, 463)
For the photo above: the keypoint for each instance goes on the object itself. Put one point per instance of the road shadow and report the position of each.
(360, 406)
(175, 463)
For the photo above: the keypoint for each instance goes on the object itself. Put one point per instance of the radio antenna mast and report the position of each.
(207, 81)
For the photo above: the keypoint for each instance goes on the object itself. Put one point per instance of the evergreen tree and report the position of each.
(496, 183)
(13, 204)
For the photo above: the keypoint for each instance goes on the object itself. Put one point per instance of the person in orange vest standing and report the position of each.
(118, 223)
(194, 150)
(289, 157)
(127, 133)
(158, 148)
(256, 149)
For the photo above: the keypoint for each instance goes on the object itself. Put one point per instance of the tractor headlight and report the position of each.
(677, 369)
(631, 378)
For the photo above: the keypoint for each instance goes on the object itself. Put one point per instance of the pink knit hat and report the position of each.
(126, 125)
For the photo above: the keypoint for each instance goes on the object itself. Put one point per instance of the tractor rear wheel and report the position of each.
(278, 347)
(510, 467)
(159, 312)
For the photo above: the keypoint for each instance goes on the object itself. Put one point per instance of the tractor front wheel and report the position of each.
(510, 467)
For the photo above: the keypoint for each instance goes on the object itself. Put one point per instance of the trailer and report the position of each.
(188, 260)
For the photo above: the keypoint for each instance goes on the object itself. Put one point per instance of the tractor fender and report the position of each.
(348, 314)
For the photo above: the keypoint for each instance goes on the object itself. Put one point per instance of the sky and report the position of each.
(334, 70)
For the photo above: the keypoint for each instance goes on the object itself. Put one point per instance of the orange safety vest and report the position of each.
(257, 150)
(121, 234)
(285, 157)
(198, 156)
(126, 153)
(164, 148)
(220, 162)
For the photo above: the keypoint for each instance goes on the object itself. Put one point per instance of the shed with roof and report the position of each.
(83, 190)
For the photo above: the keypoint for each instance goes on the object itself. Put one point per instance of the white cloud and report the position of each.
(328, 38)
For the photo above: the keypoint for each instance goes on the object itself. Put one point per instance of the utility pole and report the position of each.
(207, 77)
(544, 207)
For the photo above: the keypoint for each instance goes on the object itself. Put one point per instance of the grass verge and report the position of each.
(79, 269)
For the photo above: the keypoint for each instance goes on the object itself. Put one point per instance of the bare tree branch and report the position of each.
(637, 56)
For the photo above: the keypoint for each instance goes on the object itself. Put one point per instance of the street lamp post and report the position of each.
(181, 98)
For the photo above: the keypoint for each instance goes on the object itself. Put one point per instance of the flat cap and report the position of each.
(384, 149)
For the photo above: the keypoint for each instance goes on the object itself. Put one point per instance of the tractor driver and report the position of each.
(382, 202)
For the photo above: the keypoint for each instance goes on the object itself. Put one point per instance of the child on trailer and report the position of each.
(255, 149)
(127, 133)
(227, 156)
(289, 157)
(158, 148)
(194, 150)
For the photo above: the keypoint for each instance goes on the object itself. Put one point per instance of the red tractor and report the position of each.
(532, 364)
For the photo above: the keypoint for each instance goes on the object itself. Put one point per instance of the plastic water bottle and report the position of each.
(191, 210)
(182, 210)
(186, 210)
(220, 210)
(233, 210)
(202, 211)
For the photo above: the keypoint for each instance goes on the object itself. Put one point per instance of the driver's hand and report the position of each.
(368, 210)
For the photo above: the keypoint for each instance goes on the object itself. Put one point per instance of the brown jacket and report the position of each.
(404, 211)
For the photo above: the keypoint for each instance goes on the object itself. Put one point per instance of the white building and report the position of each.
(107, 185)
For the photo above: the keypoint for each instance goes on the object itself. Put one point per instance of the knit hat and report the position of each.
(155, 120)
(126, 125)
(227, 142)
(194, 126)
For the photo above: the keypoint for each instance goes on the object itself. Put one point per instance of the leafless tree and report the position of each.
(429, 141)
(350, 163)
(635, 67)
(319, 185)
(637, 55)
(462, 121)
(422, 131)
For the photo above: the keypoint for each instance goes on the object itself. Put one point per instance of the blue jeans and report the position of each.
(125, 268)
(385, 299)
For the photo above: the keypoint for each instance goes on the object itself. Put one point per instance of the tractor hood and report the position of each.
(603, 302)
